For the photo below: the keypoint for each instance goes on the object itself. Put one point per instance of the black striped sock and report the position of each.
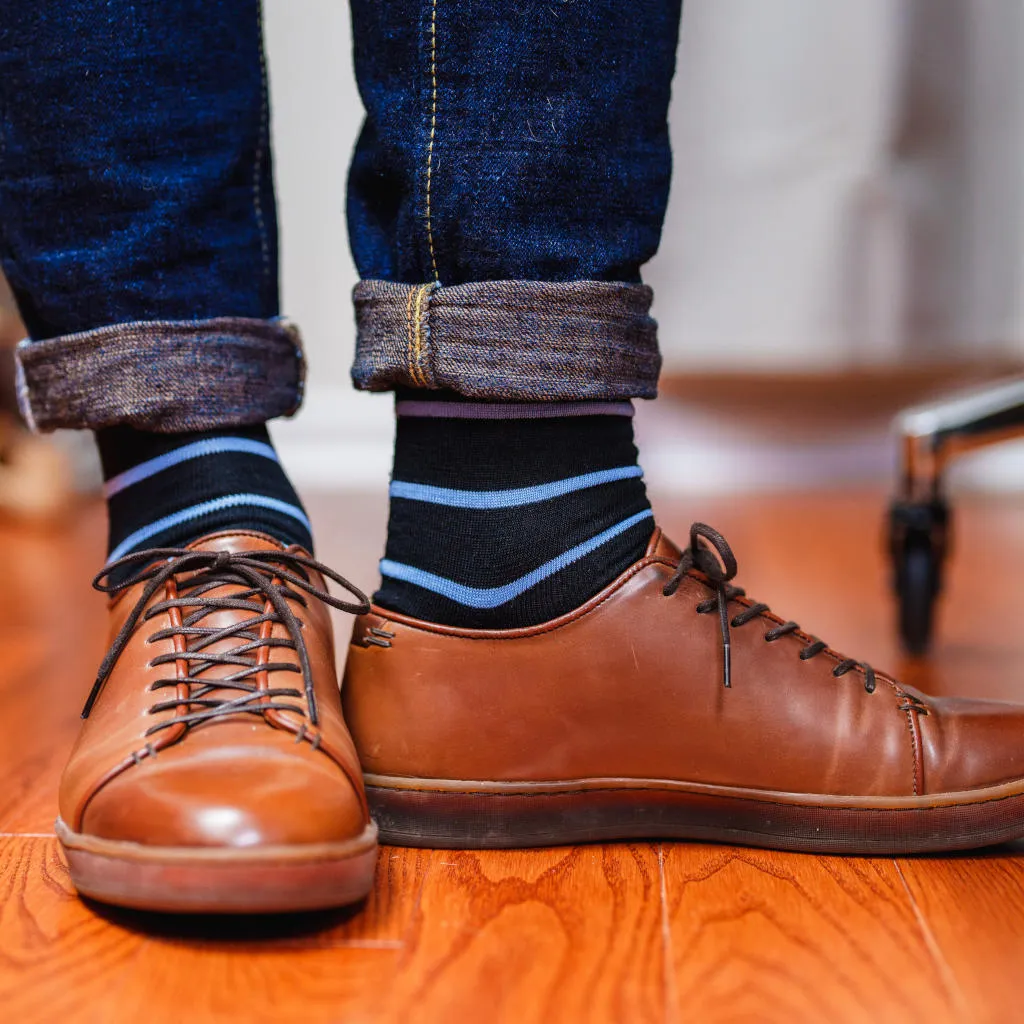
(510, 515)
(165, 490)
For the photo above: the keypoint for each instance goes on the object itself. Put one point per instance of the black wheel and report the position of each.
(918, 542)
(917, 594)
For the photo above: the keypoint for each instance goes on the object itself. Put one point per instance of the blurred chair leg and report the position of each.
(931, 437)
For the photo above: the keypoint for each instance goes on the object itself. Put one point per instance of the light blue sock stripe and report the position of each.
(211, 446)
(492, 597)
(510, 498)
(133, 540)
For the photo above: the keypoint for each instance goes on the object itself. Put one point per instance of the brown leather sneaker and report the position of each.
(612, 722)
(214, 771)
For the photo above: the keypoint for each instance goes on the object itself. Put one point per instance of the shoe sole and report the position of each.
(479, 815)
(258, 880)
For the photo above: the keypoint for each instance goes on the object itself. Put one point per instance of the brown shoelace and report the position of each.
(268, 577)
(718, 564)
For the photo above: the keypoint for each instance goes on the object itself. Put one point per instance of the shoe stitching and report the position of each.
(914, 746)
(719, 796)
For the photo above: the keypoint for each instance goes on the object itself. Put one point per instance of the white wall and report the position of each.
(340, 435)
(847, 190)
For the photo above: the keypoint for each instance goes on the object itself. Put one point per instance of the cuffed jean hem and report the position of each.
(163, 376)
(511, 340)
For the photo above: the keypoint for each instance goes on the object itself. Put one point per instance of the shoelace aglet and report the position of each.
(91, 699)
(723, 619)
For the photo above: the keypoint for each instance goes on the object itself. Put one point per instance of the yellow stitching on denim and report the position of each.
(410, 344)
(257, 169)
(419, 349)
(433, 132)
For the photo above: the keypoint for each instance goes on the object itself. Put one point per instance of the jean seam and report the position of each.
(421, 333)
(433, 133)
(417, 333)
(257, 171)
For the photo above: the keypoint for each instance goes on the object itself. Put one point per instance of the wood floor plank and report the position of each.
(560, 935)
(58, 961)
(38, 725)
(765, 936)
(577, 934)
(69, 960)
(247, 980)
(389, 912)
(44, 682)
(52, 637)
(973, 906)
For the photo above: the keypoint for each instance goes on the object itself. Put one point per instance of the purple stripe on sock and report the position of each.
(510, 411)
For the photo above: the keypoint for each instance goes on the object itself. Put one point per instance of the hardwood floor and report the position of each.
(635, 932)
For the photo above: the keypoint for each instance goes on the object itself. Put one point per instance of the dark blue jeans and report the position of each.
(509, 182)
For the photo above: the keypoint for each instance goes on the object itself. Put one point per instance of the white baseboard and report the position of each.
(341, 439)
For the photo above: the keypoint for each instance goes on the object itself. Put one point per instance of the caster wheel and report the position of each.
(918, 543)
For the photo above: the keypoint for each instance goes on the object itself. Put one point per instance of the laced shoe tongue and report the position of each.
(235, 542)
(220, 589)
(222, 618)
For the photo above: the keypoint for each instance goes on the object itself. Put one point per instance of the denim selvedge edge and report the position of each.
(164, 376)
(521, 340)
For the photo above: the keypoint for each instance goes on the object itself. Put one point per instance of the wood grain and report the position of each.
(64, 959)
(758, 935)
(566, 934)
(58, 960)
(52, 636)
(973, 906)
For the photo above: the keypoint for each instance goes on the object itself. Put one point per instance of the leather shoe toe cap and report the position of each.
(258, 798)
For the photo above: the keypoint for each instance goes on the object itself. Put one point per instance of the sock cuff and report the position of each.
(453, 410)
